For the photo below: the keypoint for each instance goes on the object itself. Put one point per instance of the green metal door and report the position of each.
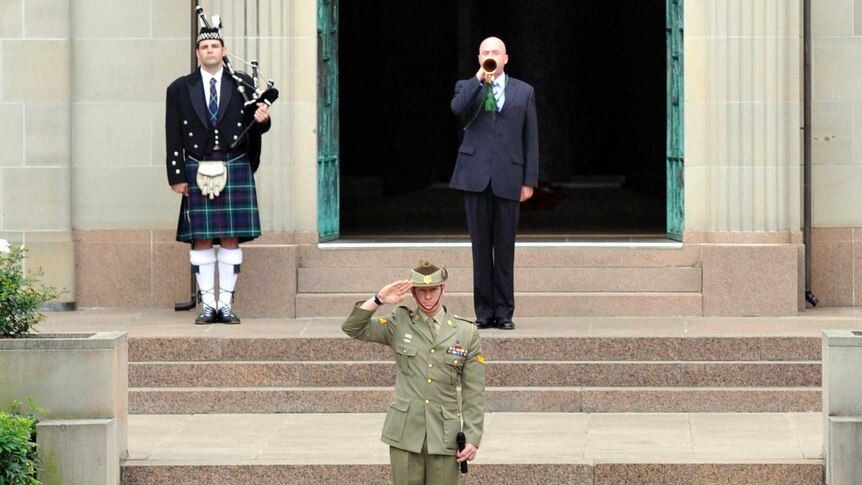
(675, 132)
(327, 120)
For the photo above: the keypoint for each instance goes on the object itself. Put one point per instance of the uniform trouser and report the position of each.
(421, 468)
(493, 224)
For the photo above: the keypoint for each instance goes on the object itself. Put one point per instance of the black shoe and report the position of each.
(226, 315)
(207, 316)
(506, 325)
(481, 324)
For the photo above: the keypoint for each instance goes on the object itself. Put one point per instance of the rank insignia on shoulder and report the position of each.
(382, 320)
(480, 359)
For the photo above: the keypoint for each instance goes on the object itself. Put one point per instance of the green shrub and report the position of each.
(21, 295)
(19, 459)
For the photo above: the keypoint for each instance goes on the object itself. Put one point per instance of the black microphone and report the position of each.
(462, 442)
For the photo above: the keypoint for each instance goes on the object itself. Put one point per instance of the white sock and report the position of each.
(228, 271)
(205, 260)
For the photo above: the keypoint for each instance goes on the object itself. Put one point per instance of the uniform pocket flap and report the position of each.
(405, 350)
(451, 414)
(468, 149)
(400, 403)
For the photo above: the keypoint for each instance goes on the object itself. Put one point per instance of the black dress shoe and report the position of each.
(481, 324)
(506, 325)
(226, 315)
(207, 316)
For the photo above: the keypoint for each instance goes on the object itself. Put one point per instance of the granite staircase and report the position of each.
(524, 374)
(542, 380)
(574, 396)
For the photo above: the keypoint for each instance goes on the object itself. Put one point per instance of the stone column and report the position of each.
(35, 160)
(742, 115)
(743, 153)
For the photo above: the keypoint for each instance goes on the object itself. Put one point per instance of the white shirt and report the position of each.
(206, 77)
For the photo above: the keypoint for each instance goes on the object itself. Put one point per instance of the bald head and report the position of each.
(492, 44)
(493, 48)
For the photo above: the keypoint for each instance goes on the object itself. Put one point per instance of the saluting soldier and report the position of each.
(434, 351)
(205, 120)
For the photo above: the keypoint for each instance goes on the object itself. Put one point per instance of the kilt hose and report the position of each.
(233, 213)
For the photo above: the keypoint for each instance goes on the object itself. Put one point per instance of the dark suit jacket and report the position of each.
(501, 149)
(187, 129)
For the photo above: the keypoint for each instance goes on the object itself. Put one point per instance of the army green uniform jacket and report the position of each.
(426, 400)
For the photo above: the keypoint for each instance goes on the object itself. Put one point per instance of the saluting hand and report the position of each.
(393, 293)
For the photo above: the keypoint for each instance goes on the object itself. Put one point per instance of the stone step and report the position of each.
(496, 346)
(800, 472)
(198, 400)
(459, 259)
(587, 280)
(545, 304)
(499, 373)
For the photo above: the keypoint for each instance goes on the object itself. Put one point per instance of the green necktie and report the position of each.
(490, 100)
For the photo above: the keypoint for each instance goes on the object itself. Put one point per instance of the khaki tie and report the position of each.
(432, 325)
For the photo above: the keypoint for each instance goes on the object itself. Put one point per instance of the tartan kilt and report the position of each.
(233, 213)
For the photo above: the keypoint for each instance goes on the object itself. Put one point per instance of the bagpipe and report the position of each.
(259, 90)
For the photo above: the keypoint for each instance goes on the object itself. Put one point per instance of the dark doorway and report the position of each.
(599, 73)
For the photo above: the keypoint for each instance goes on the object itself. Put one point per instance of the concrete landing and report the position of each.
(509, 438)
(668, 448)
(159, 322)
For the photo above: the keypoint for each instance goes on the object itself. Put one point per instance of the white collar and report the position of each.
(502, 81)
(206, 76)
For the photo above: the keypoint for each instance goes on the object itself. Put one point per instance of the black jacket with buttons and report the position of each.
(187, 129)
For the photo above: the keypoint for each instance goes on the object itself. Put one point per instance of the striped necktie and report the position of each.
(213, 106)
(499, 97)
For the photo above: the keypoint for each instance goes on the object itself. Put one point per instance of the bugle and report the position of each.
(489, 67)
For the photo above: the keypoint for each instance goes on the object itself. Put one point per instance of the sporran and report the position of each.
(211, 177)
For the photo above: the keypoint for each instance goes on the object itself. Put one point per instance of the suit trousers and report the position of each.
(421, 468)
(493, 224)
